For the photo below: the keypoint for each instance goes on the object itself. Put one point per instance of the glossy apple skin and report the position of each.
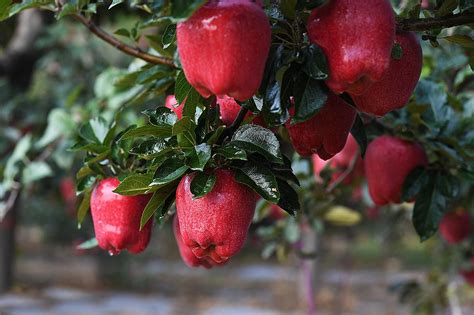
(116, 219)
(223, 48)
(455, 226)
(340, 162)
(229, 109)
(393, 91)
(216, 225)
(357, 39)
(172, 104)
(468, 275)
(326, 133)
(186, 253)
(388, 161)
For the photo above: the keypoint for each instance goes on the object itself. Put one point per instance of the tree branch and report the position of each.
(426, 24)
(129, 50)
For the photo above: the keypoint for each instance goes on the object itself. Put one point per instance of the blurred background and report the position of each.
(53, 76)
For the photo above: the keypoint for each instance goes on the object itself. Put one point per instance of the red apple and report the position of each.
(223, 48)
(326, 133)
(68, 190)
(116, 219)
(455, 226)
(230, 110)
(388, 161)
(468, 274)
(215, 225)
(172, 104)
(276, 213)
(186, 253)
(340, 162)
(394, 90)
(357, 39)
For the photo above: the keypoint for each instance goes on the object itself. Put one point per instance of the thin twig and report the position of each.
(427, 24)
(132, 51)
(344, 175)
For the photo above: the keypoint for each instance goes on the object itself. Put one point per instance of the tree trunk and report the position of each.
(7, 248)
(309, 276)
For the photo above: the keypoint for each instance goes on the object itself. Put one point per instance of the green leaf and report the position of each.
(95, 130)
(169, 36)
(89, 244)
(151, 149)
(161, 117)
(310, 99)
(462, 40)
(182, 9)
(429, 207)
(257, 139)
(260, 179)
(287, 7)
(60, 124)
(135, 184)
(170, 170)
(414, 183)
(184, 130)
(288, 197)
(35, 171)
(153, 74)
(465, 5)
(199, 156)
(157, 202)
(358, 132)
(447, 7)
(67, 9)
(115, 3)
(19, 154)
(231, 152)
(148, 130)
(185, 92)
(84, 206)
(202, 184)
(315, 63)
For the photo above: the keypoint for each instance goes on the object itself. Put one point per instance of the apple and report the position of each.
(215, 225)
(388, 161)
(340, 162)
(229, 109)
(68, 190)
(394, 90)
(324, 134)
(276, 213)
(357, 39)
(468, 274)
(116, 219)
(455, 226)
(223, 48)
(186, 253)
(172, 104)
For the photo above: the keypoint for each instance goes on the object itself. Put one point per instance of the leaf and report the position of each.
(447, 7)
(170, 170)
(67, 9)
(429, 207)
(151, 149)
(135, 184)
(199, 157)
(95, 130)
(288, 8)
(84, 207)
(260, 179)
(146, 131)
(169, 36)
(257, 139)
(185, 92)
(309, 100)
(89, 244)
(60, 124)
(231, 152)
(161, 117)
(19, 153)
(184, 130)
(462, 40)
(358, 132)
(35, 171)
(289, 200)
(115, 3)
(202, 184)
(182, 9)
(157, 201)
(315, 63)
(414, 183)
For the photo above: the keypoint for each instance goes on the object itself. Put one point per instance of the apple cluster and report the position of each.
(223, 49)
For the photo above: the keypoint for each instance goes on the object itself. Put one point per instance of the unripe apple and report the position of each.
(340, 162)
(229, 109)
(326, 133)
(394, 90)
(172, 104)
(215, 225)
(468, 274)
(357, 39)
(116, 219)
(388, 161)
(186, 253)
(455, 226)
(223, 48)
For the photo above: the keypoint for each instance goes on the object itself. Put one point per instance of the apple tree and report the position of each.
(252, 108)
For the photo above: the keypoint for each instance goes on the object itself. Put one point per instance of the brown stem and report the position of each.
(129, 50)
(426, 24)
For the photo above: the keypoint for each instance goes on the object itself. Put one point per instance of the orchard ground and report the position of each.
(353, 279)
